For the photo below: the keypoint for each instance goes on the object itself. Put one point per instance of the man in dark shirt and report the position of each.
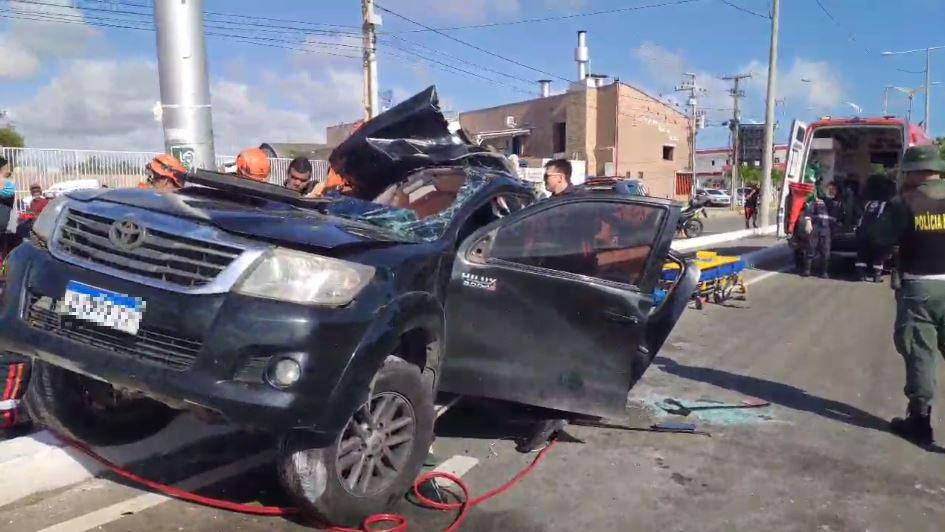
(751, 207)
(915, 221)
(557, 176)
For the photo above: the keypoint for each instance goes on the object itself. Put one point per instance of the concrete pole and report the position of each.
(185, 86)
(369, 45)
(692, 137)
(768, 154)
(736, 168)
(928, 90)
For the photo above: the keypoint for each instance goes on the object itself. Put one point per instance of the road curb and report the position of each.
(690, 244)
(40, 462)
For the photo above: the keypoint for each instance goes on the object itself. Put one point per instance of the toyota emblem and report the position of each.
(126, 234)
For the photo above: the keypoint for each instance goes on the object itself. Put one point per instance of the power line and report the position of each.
(745, 10)
(219, 14)
(475, 47)
(62, 18)
(451, 56)
(558, 17)
(839, 25)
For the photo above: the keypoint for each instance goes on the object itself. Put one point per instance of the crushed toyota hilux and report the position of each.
(334, 323)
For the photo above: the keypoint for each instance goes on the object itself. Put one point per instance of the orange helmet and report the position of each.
(166, 166)
(252, 163)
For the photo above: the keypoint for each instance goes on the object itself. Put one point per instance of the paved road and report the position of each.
(818, 459)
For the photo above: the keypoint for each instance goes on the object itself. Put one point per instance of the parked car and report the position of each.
(334, 323)
(627, 186)
(714, 197)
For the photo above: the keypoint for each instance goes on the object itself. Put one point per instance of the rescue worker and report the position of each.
(870, 258)
(252, 163)
(915, 221)
(558, 176)
(164, 173)
(819, 218)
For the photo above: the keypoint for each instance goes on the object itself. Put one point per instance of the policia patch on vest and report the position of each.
(930, 221)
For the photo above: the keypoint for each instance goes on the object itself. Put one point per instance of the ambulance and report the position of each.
(845, 150)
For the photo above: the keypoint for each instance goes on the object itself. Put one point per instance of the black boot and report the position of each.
(915, 427)
(861, 273)
(805, 267)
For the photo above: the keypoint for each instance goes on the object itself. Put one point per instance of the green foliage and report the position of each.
(9, 138)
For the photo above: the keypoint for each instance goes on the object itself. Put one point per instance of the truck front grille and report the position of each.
(159, 348)
(161, 256)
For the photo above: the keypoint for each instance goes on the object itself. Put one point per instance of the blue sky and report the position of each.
(78, 85)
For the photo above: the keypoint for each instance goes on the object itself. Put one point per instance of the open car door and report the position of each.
(793, 168)
(550, 306)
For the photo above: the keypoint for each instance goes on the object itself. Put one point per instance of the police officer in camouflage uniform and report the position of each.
(820, 217)
(915, 221)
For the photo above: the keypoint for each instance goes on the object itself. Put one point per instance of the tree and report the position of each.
(9, 138)
(941, 144)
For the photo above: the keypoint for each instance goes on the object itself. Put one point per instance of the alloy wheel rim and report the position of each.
(374, 447)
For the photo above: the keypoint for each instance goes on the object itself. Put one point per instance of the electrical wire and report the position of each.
(839, 25)
(745, 10)
(558, 17)
(466, 43)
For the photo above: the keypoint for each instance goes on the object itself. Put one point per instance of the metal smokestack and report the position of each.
(581, 55)
(545, 85)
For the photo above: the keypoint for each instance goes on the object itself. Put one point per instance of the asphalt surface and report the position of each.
(722, 221)
(819, 458)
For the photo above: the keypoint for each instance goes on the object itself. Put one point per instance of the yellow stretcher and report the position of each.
(721, 277)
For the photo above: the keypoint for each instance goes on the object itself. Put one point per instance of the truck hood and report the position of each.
(413, 134)
(252, 217)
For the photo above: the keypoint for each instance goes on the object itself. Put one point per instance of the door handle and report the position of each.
(621, 318)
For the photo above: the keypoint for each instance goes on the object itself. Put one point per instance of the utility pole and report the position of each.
(768, 154)
(185, 86)
(928, 79)
(689, 85)
(886, 99)
(736, 94)
(370, 21)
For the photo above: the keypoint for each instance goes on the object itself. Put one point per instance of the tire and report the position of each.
(90, 411)
(317, 478)
(693, 228)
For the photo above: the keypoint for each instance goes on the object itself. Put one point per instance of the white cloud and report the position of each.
(823, 91)
(30, 42)
(665, 68)
(108, 105)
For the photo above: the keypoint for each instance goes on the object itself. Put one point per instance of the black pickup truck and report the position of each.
(334, 323)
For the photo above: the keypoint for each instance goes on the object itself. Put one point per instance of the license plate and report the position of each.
(103, 307)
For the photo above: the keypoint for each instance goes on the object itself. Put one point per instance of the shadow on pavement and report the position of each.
(777, 393)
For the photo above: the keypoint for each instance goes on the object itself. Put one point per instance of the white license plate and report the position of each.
(103, 307)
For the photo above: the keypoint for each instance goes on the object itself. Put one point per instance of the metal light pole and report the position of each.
(886, 99)
(928, 79)
(185, 86)
(765, 212)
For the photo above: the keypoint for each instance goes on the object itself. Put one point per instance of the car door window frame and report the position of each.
(480, 251)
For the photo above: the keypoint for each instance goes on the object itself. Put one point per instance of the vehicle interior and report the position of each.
(847, 153)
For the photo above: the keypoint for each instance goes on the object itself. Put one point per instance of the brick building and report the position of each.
(618, 129)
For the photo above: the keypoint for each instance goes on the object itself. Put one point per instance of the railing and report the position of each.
(115, 169)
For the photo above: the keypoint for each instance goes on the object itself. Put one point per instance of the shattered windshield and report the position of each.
(419, 209)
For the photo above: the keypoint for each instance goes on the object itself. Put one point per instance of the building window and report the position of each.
(639, 175)
(777, 159)
(668, 153)
(713, 162)
(560, 137)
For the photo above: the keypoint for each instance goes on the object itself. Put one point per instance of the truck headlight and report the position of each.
(45, 223)
(304, 278)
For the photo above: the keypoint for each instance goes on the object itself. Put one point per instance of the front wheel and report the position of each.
(693, 228)
(91, 411)
(374, 460)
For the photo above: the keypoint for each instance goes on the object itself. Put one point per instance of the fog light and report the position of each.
(285, 372)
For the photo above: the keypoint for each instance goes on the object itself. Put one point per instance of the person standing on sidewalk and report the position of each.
(751, 207)
(915, 221)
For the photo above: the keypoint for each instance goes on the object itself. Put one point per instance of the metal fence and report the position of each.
(115, 169)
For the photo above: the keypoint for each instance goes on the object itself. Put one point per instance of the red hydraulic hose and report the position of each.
(391, 522)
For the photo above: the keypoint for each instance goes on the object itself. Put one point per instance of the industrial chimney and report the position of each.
(581, 55)
(545, 85)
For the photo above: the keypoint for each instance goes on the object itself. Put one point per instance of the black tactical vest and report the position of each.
(922, 250)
